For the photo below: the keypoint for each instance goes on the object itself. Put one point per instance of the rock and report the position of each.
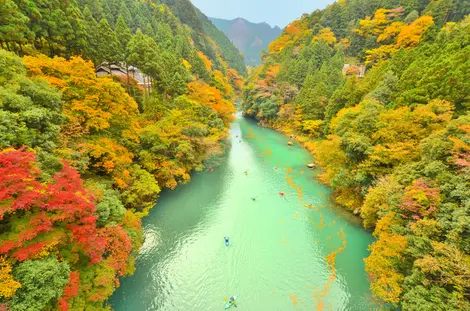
(311, 165)
(290, 143)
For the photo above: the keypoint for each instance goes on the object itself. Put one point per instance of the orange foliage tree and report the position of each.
(211, 97)
(411, 35)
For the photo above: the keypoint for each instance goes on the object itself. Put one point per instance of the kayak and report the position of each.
(226, 243)
(228, 304)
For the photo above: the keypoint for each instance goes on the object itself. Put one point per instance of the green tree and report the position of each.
(126, 14)
(178, 85)
(13, 24)
(411, 17)
(123, 33)
(76, 42)
(109, 48)
(30, 109)
(42, 282)
(110, 209)
(91, 27)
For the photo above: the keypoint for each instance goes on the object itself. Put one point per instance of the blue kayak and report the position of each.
(229, 303)
(226, 243)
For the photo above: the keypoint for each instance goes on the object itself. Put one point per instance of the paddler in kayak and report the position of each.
(226, 240)
(232, 301)
(246, 172)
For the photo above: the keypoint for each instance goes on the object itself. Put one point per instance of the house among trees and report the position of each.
(118, 70)
(357, 70)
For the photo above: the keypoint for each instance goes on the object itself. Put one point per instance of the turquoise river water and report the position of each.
(282, 256)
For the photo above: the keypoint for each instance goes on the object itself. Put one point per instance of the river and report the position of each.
(282, 255)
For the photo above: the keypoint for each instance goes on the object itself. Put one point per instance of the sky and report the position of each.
(274, 12)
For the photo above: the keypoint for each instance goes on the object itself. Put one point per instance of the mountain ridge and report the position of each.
(250, 38)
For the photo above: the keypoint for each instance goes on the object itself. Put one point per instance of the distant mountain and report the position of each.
(248, 37)
(206, 36)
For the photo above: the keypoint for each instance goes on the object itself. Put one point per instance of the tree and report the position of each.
(386, 256)
(110, 208)
(93, 39)
(109, 48)
(141, 193)
(42, 282)
(386, 88)
(411, 17)
(8, 286)
(177, 85)
(76, 42)
(71, 289)
(325, 34)
(13, 24)
(30, 113)
(124, 35)
(51, 206)
(411, 35)
(144, 53)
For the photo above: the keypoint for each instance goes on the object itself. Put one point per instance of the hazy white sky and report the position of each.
(274, 12)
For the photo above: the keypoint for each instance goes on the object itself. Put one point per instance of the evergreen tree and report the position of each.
(178, 85)
(107, 14)
(126, 14)
(124, 35)
(411, 17)
(95, 8)
(76, 43)
(109, 48)
(13, 24)
(92, 35)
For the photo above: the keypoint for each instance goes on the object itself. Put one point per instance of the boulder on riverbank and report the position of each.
(290, 143)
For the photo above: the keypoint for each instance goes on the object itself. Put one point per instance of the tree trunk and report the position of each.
(128, 81)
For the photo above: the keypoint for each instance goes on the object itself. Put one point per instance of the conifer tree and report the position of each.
(109, 48)
(13, 24)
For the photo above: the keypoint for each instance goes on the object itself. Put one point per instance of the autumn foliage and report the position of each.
(212, 98)
(61, 203)
(56, 217)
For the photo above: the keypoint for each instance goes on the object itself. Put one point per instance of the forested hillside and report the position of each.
(394, 144)
(83, 158)
(250, 38)
(205, 34)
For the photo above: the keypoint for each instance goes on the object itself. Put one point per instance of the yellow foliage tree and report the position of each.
(8, 285)
(411, 35)
(386, 255)
(391, 31)
(381, 53)
(206, 60)
(330, 157)
(373, 26)
(325, 34)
